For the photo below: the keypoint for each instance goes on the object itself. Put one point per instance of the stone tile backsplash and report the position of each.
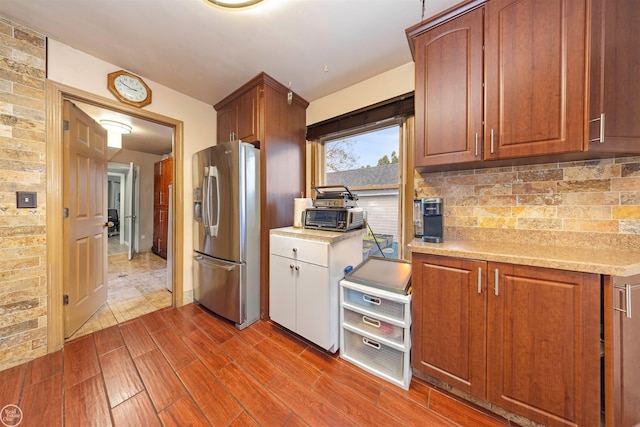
(598, 196)
(23, 276)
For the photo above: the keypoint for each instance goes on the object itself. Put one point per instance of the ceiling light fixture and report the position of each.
(114, 126)
(234, 4)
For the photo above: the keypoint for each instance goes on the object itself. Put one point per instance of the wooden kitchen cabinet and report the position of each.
(536, 98)
(622, 351)
(543, 343)
(523, 338)
(239, 118)
(448, 92)
(449, 321)
(266, 119)
(304, 276)
(614, 97)
(162, 179)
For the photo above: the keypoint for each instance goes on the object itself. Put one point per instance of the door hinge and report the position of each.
(65, 212)
(65, 299)
(65, 125)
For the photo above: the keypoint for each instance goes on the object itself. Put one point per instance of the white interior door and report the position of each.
(85, 224)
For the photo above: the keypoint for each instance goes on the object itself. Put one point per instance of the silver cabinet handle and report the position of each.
(627, 299)
(601, 138)
(491, 140)
(479, 280)
(476, 144)
(497, 275)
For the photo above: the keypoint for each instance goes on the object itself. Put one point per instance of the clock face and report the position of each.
(130, 88)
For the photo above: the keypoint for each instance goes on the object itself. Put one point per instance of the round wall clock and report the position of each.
(129, 88)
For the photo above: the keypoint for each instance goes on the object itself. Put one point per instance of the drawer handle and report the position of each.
(371, 343)
(372, 300)
(370, 321)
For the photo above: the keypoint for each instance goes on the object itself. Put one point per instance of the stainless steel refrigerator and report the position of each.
(226, 231)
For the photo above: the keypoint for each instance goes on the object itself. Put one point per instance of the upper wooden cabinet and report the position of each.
(448, 92)
(508, 79)
(260, 113)
(239, 118)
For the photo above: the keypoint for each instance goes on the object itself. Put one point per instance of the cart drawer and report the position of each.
(374, 326)
(369, 301)
(375, 356)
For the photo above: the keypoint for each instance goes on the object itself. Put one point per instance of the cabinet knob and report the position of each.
(297, 267)
(295, 250)
(291, 266)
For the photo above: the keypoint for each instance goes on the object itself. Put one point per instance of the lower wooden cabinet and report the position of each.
(622, 351)
(526, 339)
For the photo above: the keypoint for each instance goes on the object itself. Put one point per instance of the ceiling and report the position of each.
(316, 46)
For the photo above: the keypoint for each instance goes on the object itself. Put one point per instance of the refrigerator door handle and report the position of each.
(210, 172)
(205, 198)
(212, 263)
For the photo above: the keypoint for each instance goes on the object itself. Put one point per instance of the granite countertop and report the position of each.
(587, 260)
(318, 235)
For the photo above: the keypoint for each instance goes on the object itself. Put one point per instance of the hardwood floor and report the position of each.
(183, 366)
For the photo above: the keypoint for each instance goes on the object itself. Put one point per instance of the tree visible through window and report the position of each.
(367, 163)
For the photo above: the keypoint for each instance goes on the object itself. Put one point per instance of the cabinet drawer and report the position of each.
(310, 251)
(374, 326)
(374, 356)
(376, 305)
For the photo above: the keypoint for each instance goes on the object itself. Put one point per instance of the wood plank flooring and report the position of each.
(187, 367)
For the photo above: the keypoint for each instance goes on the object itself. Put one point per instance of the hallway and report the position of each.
(136, 287)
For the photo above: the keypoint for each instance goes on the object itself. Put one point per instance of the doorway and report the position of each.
(56, 93)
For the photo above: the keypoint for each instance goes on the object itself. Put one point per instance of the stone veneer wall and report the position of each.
(594, 203)
(23, 279)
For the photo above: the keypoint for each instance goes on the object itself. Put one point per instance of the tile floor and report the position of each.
(186, 367)
(135, 288)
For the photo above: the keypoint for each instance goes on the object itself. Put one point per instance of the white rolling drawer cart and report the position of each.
(375, 323)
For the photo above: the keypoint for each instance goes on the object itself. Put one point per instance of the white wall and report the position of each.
(79, 70)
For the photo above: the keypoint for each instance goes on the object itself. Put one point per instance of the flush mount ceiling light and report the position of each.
(113, 126)
(234, 4)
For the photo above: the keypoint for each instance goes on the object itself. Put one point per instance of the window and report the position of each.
(368, 162)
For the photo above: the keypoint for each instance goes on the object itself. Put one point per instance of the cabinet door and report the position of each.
(449, 94)
(448, 321)
(312, 304)
(227, 122)
(247, 125)
(615, 88)
(622, 351)
(543, 344)
(282, 291)
(535, 77)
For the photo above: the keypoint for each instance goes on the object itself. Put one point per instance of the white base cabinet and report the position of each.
(303, 284)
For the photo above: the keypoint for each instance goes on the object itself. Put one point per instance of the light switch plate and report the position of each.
(27, 199)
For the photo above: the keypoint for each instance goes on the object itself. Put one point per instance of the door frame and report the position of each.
(56, 93)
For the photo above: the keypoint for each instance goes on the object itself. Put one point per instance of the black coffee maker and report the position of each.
(427, 219)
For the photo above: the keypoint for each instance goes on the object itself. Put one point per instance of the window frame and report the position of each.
(317, 175)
